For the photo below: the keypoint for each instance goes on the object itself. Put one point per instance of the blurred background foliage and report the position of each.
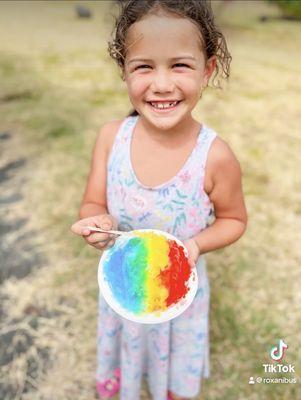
(289, 8)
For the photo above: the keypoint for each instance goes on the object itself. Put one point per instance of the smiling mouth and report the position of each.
(164, 105)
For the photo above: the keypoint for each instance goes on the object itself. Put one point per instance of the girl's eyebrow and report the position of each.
(171, 59)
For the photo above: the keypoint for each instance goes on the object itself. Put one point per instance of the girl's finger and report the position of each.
(79, 228)
(104, 245)
(98, 238)
(106, 224)
(76, 228)
(191, 262)
(100, 245)
(111, 243)
(85, 231)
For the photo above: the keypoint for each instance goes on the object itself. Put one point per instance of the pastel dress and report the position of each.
(172, 355)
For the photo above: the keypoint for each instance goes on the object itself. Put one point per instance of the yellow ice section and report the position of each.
(157, 259)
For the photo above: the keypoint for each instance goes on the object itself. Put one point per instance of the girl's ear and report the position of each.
(209, 68)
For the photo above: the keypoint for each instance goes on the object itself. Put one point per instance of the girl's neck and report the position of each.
(183, 130)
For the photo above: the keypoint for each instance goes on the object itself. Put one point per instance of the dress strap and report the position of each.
(207, 137)
(122, 137)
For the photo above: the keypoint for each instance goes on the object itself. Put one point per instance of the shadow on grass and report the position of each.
(38, 111)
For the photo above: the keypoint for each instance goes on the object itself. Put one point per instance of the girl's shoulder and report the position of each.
(220, 151)
(107, 134)
(220, 158)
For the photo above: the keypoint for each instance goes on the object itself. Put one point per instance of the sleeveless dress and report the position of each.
(172, 355)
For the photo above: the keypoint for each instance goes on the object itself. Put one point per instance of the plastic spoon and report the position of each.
(94, 229)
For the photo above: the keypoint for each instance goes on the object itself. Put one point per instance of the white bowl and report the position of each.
(152, 317)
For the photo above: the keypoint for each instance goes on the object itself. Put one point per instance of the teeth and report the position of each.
(164, 105)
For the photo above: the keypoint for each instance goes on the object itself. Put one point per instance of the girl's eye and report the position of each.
(180, 65)
(141, 66)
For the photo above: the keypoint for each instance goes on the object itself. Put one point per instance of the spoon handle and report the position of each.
(94, 229)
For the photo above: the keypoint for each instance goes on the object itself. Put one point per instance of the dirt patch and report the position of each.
(19, 258)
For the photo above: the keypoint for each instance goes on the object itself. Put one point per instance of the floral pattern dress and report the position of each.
(172, 355)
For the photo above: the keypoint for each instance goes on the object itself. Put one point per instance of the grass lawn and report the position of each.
(57, 88)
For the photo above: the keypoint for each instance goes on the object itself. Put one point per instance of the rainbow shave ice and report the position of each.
(147, 273)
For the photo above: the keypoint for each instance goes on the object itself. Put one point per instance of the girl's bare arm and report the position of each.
(94, 200)
(93, 210)
(227, 196)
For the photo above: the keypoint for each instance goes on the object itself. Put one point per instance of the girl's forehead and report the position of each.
(156, 34)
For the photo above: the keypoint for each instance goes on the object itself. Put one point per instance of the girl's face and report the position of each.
(165, 69)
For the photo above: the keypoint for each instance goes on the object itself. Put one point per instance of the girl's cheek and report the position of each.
(138, 84)
(190, 83)
(192, 87)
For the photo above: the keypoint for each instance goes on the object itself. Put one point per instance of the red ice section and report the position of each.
(175, 277)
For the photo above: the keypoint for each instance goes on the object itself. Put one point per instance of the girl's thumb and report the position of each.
(106, 224)
(79, 230)
(74, 229)
(191, 262)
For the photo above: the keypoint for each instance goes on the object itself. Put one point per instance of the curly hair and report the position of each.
(198, 11)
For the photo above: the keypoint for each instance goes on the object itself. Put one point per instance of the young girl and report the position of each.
(160, 168)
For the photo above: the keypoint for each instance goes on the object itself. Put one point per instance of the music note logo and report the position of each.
(277, 352)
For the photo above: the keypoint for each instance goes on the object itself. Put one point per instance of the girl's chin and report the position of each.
(163, 123)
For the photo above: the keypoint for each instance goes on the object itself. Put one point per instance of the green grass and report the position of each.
(57, 89)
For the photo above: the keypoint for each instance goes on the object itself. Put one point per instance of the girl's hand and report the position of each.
(193, 251)
(100, 241)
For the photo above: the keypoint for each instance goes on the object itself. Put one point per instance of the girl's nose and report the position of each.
(162, 82)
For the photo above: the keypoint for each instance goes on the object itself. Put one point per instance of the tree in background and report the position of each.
(291, 9)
